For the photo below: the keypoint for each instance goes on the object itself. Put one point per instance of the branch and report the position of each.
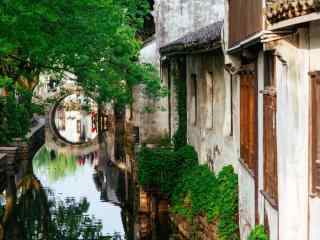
(42, 65)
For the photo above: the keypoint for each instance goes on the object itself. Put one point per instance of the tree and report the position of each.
(94, 39)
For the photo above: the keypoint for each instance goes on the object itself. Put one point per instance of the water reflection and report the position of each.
(75, 118)
(76, 177)
(80, 196)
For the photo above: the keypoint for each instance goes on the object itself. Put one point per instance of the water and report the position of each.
(75, 192)
(78, 182)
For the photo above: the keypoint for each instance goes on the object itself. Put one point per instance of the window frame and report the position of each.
(270, 146)
(314, 124)
(249, 127)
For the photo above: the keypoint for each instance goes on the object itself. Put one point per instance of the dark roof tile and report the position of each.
(204, 38)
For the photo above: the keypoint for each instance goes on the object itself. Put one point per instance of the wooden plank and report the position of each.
(315, 134)
(248, 118)
(245, 19)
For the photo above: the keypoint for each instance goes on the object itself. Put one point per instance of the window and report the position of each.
(248, 117)
(315, 131)
(270, 130)
(194, 96)
(62, 120)
(269, 73)
(210, 99)
(78, 126)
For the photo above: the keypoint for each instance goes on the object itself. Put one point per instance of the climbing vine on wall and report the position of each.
(179, 80)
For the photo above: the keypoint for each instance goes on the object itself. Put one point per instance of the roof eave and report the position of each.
(181, 49)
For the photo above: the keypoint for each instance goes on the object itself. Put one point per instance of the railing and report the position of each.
(245, 19)
(279, 10)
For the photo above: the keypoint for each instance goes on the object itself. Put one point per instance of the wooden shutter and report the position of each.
(248, 118)
(270, 146)
(315, 131)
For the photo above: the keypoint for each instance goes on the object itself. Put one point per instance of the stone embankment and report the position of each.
(20, 152)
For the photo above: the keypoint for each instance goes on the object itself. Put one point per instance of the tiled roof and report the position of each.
(278, 10)
(205, 38)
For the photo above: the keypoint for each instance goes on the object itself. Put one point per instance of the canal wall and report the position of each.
(155, 219)
(21, 151)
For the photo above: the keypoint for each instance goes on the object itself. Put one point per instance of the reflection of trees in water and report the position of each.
(56, 166)
(35, 216)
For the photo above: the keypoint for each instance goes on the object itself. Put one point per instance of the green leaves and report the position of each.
(258, 233)
(16, 112)
(228, 204)
(94, 39)
(162, 167)
(200, 192)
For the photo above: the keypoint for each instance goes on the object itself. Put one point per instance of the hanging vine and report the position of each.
(179, 80)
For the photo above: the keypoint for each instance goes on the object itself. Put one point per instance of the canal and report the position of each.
(73, 189)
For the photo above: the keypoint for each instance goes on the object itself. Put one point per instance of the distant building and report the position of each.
(73, 122)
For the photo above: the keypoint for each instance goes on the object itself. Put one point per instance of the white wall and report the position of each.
(292, 135)
(175, 18)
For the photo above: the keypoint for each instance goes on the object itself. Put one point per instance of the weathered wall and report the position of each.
(211, 134)
(292, 134)
(174, 18)
(151, 116)
(149, 53)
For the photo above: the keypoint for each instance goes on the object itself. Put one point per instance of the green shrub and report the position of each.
(201, 192)
(187, 157)
(194, 190)
(258, 233)
(157, 168)
(162, 167)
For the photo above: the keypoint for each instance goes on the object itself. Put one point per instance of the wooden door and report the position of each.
(248, 118)
(249, 124)
(315, 132)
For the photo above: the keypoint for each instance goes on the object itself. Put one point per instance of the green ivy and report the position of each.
(200, 192)
(193, 190)
(162, 167)
(196, 194)
(258, 233)
(228, 204)
(180, 137)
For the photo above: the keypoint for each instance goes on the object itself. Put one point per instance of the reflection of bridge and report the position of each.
(57, 144)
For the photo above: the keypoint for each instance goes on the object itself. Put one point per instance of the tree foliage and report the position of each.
(16, 111)
(94, 39)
